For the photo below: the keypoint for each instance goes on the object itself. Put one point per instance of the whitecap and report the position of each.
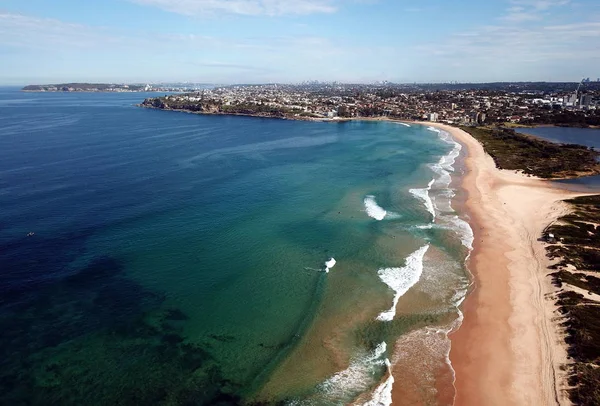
(373, 209)
(329, 264)
(400, 280)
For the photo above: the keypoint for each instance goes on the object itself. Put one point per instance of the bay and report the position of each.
(163, 258)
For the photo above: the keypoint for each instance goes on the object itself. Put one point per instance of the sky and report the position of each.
(291, 41)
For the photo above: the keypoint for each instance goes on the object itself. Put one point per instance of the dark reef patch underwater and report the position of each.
(95, 337)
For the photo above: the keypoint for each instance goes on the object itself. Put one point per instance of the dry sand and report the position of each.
(508, 350)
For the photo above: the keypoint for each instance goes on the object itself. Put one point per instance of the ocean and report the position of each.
(151, 257)
(590, 137)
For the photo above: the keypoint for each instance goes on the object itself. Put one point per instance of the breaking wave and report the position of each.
(382, 396)
(373, 209)
(423, 194)
(437, 197)
(377, 212)
(400, 280)
(357, 378)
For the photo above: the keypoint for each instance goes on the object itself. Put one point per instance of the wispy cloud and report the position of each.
(32, 32)
(517, 43)
(62, 46)
(530, 10)
(244, 7)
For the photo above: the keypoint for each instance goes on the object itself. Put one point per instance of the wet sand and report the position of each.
(507, 351)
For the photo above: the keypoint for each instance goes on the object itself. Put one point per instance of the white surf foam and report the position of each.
(445, 165)
(404, 124)
(465, 231)
(382, 396)
(435, 341)
(402, 279)
(357, 378)
(373, 209)
(329, 264)
(423, 194)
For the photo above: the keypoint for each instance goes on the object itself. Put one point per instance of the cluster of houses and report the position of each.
(345, 101)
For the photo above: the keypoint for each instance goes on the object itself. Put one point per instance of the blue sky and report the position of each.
(257, 41)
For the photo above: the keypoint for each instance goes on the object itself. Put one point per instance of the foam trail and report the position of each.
(373, 209)
(423, 194)
(402, 279)
(446, 163)
(382, 396)
(404, 124)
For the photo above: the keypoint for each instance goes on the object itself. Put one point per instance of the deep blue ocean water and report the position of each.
(151, 257)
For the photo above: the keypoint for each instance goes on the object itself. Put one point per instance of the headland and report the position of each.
(466, 104)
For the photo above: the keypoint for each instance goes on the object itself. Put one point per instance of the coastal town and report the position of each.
(519, 103)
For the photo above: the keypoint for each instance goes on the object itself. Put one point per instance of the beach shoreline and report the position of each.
(507, 350)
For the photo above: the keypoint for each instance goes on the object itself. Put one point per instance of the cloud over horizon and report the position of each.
(244, 7)
(336, 40)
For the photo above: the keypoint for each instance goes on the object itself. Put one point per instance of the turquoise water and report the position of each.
(178, 259)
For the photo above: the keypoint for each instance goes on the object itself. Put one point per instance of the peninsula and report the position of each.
(469, 104)
(111, 87)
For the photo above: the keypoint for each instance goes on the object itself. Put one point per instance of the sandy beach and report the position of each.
(507, 351)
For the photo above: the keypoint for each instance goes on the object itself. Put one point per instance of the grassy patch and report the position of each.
(580, 243)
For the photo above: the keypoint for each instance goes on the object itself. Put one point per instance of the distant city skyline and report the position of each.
(258, 41)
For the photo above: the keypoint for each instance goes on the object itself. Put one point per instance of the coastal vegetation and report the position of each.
(215, 107)
(514, 151)
(573, 243)
(577, 252)
(566, 118)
